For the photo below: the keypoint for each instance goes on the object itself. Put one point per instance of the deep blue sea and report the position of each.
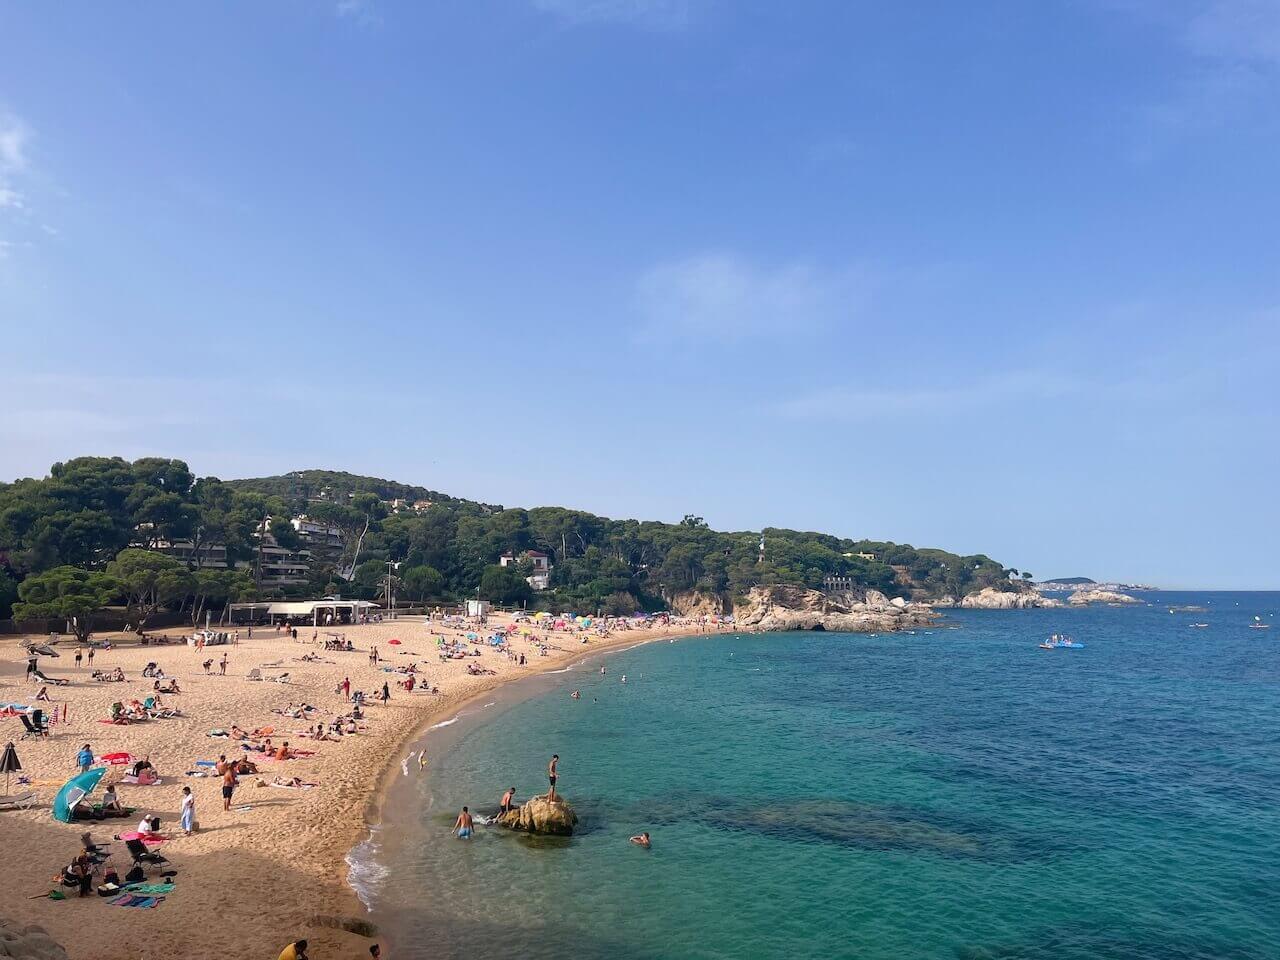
(955, 792)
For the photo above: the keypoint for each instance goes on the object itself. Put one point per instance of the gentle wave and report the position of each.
(365, 873)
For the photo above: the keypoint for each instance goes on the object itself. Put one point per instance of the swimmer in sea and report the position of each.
(576, 695)
(641, 840)
(602, 670)
(462, 826)
(624, 678)
(422, 759)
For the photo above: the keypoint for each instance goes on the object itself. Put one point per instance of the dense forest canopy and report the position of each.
(94, 514)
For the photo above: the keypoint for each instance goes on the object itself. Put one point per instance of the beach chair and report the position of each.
(281, 678)
(140, 854)
(37, 724)
(21, 801)
(255, 674)
(41, 678)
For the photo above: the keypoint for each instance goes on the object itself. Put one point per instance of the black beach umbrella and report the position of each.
(9, 762)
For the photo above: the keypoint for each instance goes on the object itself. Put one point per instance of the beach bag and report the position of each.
(136, 875)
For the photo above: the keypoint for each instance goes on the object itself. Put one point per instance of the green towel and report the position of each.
(150, 888)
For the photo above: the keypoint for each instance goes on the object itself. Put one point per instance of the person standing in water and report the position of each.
(551, 775)
(462, 826)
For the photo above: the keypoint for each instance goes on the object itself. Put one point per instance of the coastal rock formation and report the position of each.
(28, 943)
(693, 603)
(797, 608)
(989, 598)
(1083, 597)
(540, 815)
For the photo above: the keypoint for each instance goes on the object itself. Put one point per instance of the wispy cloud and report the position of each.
(1231, 75)
(720, 296)
(14, 136)
(13, 143)
(652, 14)
(893, 403)
(1243, 31)
(363, 12)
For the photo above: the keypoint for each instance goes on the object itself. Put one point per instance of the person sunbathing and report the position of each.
(237, 733)
(244, 767)
(295, 783)
(43, 694)
(111, 802)
(284, 753)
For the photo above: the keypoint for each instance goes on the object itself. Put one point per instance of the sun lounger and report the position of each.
(20, 801)
(57, 682)
(140, 854)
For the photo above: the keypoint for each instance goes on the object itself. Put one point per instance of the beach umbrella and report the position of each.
(40, 649)
(9, 763)
(75, 790)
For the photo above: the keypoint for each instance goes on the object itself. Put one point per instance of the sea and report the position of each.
(950, 792)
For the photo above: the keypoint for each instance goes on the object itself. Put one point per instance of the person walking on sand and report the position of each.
(79, 655)
(551, 775)
(228, 785)
(462, 826)
(91, 657)
(188, 811)
(386, 693)
(84, 759)
(346, 688)
(222, 666)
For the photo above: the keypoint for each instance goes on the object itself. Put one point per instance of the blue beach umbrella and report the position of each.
(74, 790)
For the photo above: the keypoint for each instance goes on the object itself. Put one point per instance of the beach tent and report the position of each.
(75, 790)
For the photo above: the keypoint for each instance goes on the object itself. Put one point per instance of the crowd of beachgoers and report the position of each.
(211, 784)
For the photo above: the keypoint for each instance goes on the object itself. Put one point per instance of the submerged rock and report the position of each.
(540, 815)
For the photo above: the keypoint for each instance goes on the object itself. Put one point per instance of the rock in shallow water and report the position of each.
(540, 815)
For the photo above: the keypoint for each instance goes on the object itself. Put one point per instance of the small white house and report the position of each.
(539, 561)
(478, 608)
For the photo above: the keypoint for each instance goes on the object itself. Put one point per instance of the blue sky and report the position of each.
(998, 277)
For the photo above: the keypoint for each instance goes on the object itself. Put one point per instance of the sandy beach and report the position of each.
(272, 869)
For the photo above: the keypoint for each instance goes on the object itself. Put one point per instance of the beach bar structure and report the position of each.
(320, 613)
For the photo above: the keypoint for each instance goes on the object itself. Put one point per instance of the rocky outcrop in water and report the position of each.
(540, 815)
(1082, 597)
(989, 598)
(28, 943)
(798, 608)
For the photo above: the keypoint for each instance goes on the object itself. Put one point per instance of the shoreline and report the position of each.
(238, 861)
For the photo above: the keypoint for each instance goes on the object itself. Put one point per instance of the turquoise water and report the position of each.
(952, 793)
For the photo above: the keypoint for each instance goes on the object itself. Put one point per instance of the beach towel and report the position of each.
(149, 888)
(134, 900)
